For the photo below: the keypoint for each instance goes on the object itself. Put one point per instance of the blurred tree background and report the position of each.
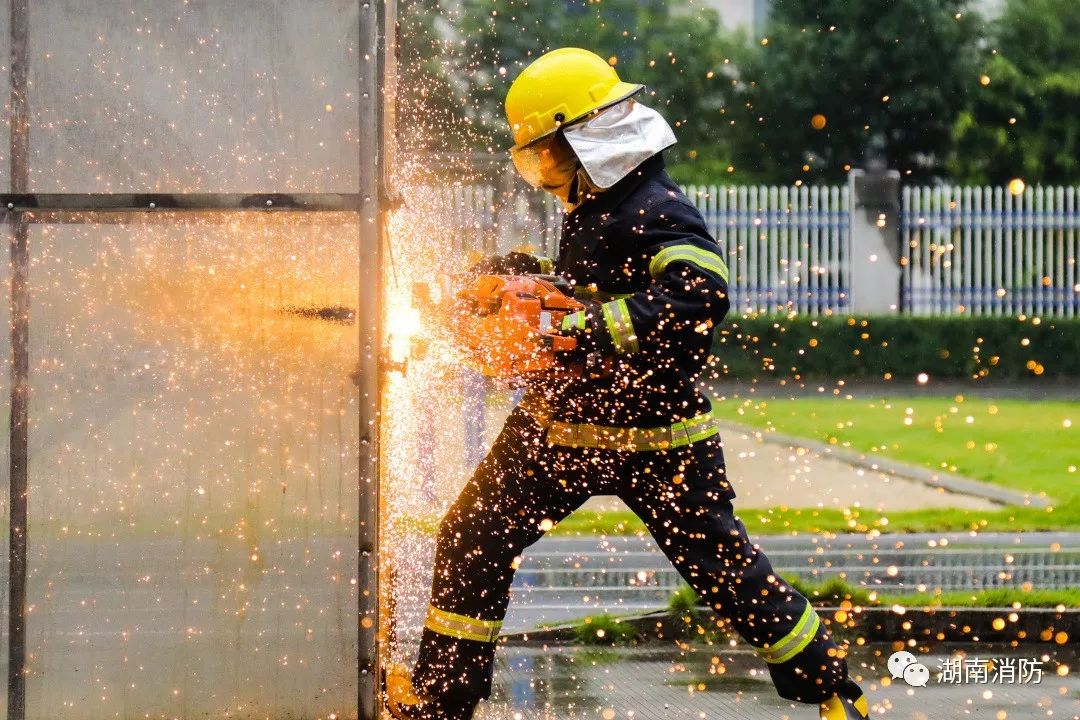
(681, 57)
(927, 87)
(836, 84)
(1025, 119)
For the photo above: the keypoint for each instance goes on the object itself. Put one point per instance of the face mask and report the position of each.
(612, 143)
(549, 164)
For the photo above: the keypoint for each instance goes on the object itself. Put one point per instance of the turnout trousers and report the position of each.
(525, 485)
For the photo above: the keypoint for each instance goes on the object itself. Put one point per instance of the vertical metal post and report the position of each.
(20, 386)
(375, 56)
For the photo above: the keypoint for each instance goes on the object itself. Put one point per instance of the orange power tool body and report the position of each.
(511, 323)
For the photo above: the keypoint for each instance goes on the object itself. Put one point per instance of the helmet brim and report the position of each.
(618, 93)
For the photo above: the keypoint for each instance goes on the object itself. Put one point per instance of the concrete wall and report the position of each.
(252, 95)
(192, 462)
(192, 471)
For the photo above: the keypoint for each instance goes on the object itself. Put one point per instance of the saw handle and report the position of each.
(561, 343)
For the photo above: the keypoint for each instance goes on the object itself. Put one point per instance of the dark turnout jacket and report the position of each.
(656, 286)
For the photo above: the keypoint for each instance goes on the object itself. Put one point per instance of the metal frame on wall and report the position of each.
(20, 208)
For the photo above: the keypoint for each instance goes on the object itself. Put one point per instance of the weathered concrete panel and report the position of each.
(175, 95)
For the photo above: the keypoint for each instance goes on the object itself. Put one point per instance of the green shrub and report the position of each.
(604, 630)
(900, 347)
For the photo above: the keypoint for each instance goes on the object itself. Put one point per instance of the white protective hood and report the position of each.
(617, 140)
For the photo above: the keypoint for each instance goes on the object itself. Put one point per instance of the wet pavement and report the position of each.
(704, 682)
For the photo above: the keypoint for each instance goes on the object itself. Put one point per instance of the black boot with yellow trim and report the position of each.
(450, 689)
(405, 703)
(849, 703)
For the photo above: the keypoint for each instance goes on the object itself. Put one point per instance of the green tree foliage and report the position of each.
(430, 114)
(1024, 120)
(682, 56)
(884, 80)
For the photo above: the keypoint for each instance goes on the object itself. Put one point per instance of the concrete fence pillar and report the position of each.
(875, 241)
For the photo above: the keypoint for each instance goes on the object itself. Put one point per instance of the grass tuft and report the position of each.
(603, 630)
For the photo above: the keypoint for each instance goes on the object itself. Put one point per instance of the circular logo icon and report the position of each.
(898, 661)
(916, 675)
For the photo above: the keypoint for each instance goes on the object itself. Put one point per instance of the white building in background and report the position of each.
(746, 15)
(750, 15)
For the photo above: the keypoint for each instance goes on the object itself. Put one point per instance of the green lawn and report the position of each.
(1033, 446)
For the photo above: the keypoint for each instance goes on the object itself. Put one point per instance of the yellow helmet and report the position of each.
(558, 88)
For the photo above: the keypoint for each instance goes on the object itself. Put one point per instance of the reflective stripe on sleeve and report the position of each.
(620, 326)
(573, 321)
(795, 641)
(691, 254)
(461, 626)
(591, 292)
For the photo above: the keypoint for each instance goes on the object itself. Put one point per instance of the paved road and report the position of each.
(668, 684)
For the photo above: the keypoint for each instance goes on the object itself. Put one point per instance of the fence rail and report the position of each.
(963, 250)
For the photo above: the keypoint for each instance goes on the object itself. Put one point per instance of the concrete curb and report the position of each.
(877, 463)
(876, 624)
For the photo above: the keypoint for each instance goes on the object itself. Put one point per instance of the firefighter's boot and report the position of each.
(849, 703)
(404, 703)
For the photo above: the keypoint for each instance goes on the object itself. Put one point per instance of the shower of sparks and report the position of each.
(194, 398)
(425, 458)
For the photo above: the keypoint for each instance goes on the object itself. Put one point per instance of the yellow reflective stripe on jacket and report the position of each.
(795, 641)
(691, 254)
(547, 265)
(461, 626)
(590, 292)
(620, 326)
(574, 321)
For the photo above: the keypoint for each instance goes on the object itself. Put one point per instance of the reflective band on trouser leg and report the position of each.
(690, 254)
(795, 641)
(460, 626)
(620, 326)
(573, 321)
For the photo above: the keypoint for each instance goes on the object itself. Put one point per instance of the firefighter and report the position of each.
(628, 418)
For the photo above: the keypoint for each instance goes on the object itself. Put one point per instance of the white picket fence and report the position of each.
(788, 248)
(987, 251)
(479, 218)
(964, 250)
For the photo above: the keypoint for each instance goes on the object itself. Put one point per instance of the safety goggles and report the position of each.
(548, 163)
